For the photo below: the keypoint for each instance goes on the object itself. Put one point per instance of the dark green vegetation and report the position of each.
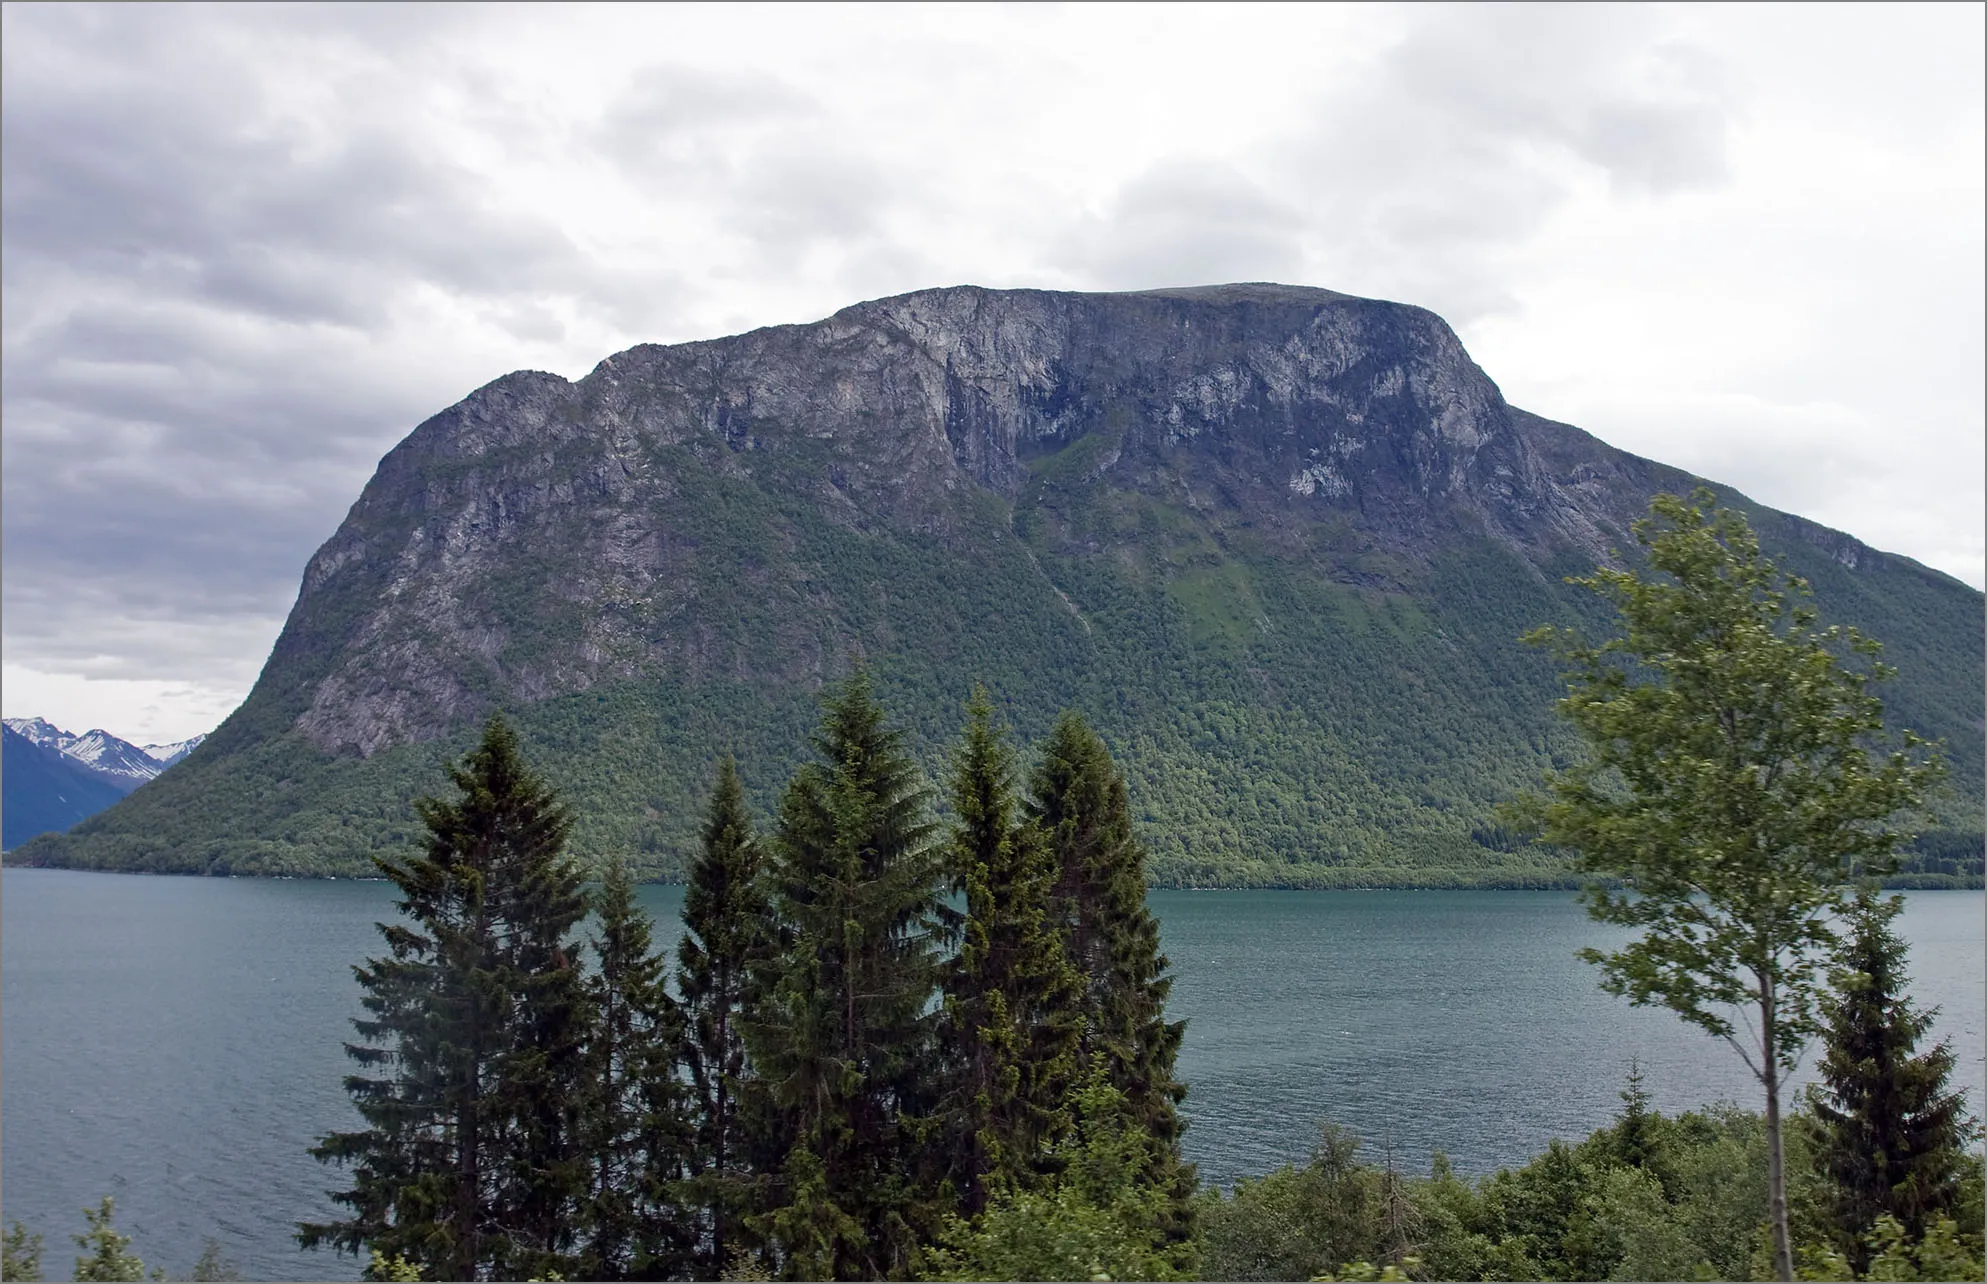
(476, 1146)
(1731, 789)
(1276, 545)
(840, 1081)
(1886, 1128)
(1649, 1197)
(911, 1097)
(106, 1253)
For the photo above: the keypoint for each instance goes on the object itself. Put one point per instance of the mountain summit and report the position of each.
(1277, 542)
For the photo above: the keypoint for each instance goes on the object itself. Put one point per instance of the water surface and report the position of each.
(175, 1042)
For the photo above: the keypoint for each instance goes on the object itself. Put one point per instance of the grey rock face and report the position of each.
(1279, 407)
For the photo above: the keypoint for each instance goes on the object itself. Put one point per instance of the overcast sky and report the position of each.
(247, 249)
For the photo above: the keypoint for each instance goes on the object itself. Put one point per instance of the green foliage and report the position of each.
(1890, 1131)
(106, 1255)
(1938, 1254)
(1099, 1218)
(213, 1265)
(394, 1267)
(1013, 1011)
(1299, 1223)
(470, 1161)
(109, 1255)
(1365, 1271)
(20, 1254)
(635, 1125)
(724, 916)
(843, 1035)
(1576, 1212)
(1730, 787)
(1080, 804)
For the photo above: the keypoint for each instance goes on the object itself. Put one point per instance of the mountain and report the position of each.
(168, 754)
(118, 761)
(42, 791)
(113, 758)
(1277, 543)
(41, 732)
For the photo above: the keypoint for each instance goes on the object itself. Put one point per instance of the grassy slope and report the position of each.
(1278, 728)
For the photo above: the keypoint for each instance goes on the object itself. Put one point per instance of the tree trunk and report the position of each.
(1776, 1167)
(466, 1202)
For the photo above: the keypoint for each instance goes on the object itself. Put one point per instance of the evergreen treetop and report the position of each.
(1079, 800)
(843, 1038)
(1012, 1006)
(725, 937)
(470, 1163)
(1891, 1131)
(638, 1126)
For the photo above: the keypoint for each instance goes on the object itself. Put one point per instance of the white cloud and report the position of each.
(248, 248)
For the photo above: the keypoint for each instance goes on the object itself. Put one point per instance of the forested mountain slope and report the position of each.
(1277, 543)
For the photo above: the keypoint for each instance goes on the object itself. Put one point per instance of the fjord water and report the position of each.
(175, 1042)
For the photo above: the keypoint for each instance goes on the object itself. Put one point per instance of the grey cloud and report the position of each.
(1413, 174)
(128, 186)
(1186, 222)
(171, 161)
(672, 117)
(200, 286)
(1419, 170)
(1657, 150)
(786, 200)
(1596, 81)
(769, 167)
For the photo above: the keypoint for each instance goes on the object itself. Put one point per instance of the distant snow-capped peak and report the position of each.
(104, 753)
(41, 732)
(168, 754)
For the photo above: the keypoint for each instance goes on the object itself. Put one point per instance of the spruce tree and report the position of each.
(1637, 1139)
(724, 917)
(470, 1164)
(843, 1033)
(1012, 1017)
(109, 1256)
(1079, 802)
(1891, 1132)
(638, 1126)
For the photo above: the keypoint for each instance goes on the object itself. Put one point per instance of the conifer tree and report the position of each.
(724, 917)
(1637, 1138)
(20, 1254)
(843, 1035)
(109, 1255)
(638, 1127)
(1891, 1132)
(1012, 1017)
(470, 1165)
(1079, 802)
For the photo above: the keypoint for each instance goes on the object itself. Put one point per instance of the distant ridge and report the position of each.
(42, 791)
(69, 778)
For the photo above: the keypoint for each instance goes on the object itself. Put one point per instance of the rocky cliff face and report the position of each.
(1278, 543)
(1273, 407)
